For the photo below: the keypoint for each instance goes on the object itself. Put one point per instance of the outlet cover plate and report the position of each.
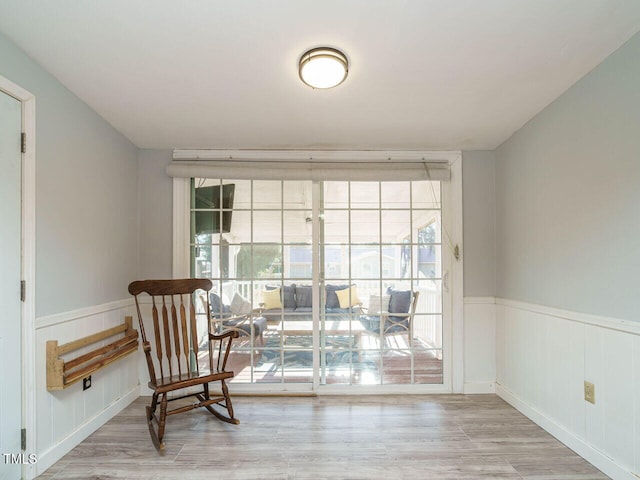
(589, 392)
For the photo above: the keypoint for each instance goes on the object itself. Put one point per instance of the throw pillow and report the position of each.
(399, 301)
(216, 305)
(288, 294)
(303, 296)
(240, 305)
(332, 299)
(378, 303)
(271, 299)
(348, 297)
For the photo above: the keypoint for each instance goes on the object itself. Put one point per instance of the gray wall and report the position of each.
(568, 197)
(478, 204)
(156, 214)
(87, 245)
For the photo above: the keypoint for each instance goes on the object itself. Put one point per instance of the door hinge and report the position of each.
(23, 290)
(23, 142)
(23, 438)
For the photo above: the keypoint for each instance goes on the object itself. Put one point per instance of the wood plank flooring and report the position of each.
(330, 437)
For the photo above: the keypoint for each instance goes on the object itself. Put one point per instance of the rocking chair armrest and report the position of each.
(222, 336)
(223, 356)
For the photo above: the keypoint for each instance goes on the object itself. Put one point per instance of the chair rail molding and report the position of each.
(612, 323)
(57, 318)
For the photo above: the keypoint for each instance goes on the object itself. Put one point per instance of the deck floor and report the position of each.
(398, 364)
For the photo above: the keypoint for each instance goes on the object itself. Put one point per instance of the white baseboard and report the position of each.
(575, 443)
(55, 453)
(476, 388)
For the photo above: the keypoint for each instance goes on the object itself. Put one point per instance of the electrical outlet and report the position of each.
(86, 383)
(589, 392)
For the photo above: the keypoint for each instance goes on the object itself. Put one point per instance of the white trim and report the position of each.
(479, 300)
(28, 263)
(315, 282)
(57, 318)
(260, 389)
(367, 156)
(477, 388)
(55, 453)
(181, 227)
(627, 326)
(456, 355)
(578, 445)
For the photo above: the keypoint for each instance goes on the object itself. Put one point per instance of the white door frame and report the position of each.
(453, 193)
(28, 265)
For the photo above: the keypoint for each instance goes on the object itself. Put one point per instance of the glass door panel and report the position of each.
(390, 246)
(377, 245)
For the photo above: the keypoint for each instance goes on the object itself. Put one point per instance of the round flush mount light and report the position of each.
(323, 67)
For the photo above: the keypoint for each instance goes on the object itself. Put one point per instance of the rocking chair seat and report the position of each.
(168, 384)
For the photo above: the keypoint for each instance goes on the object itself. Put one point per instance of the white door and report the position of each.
(10, 276)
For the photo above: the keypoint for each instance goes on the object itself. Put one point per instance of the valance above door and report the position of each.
(311, 165)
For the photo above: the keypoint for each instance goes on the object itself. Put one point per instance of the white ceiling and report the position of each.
(425, 74)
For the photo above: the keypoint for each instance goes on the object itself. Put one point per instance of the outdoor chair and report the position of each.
(396, 319)
(252, 324)
(172, 353)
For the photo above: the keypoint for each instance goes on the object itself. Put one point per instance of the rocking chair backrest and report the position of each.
(174, 325)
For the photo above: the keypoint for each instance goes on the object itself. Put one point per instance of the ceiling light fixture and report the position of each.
(323, 67)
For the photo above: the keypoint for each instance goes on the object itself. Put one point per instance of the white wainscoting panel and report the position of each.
(479, 345)
(543, 357)
(64, 418)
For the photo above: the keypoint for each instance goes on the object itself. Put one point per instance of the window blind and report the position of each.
(299, 165)
(308, 171)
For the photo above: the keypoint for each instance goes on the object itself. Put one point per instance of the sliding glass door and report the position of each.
(329, 283)
(253, 239)
(382, 241)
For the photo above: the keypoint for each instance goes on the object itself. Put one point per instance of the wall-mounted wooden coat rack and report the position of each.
(61, 374)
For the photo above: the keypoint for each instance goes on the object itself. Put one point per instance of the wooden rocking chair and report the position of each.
(175, 348)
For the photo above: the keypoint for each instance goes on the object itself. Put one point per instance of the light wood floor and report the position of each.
(331, 437)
